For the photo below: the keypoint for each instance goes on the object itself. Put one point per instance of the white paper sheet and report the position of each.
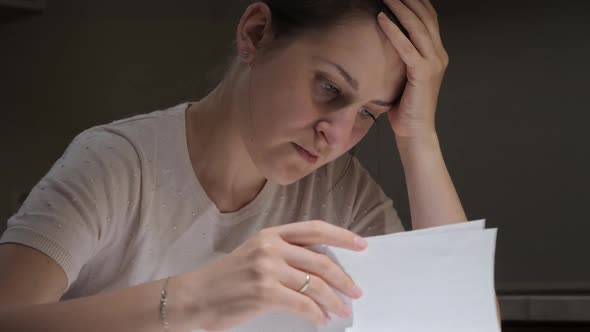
(436, 279)
(439, 281)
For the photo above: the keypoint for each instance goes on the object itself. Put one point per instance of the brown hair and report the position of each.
(293, 17)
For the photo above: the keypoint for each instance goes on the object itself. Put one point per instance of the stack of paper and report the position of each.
(437, 279)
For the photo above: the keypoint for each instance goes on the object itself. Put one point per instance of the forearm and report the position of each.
(433, 198)
(131, 309)
(432, 195)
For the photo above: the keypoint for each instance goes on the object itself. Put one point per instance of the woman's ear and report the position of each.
(254, 31)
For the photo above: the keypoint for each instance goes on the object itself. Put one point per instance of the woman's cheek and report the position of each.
(295, 110)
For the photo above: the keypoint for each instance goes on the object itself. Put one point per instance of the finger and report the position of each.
(417, 30)
(437, 39)
(307, 233)
(318, 290)
(301, 305)
(406, 50)
(424, 15)
(431, 9)
(321, 266)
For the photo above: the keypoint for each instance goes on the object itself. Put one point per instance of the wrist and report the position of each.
(427, 142)
(419, 152)
(183, 306)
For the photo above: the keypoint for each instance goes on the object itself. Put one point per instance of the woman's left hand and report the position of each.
(413, 118)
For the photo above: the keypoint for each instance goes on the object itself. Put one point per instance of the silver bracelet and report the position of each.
(163, 299)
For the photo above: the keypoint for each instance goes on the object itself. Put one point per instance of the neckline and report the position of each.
(202, 199)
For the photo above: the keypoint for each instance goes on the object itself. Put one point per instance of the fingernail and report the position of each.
(347, 311)
(360, 242)
(356, 292)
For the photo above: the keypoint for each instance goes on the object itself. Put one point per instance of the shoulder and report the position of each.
(134, 136)
(346, 171)
(342, 180)
(371, 211)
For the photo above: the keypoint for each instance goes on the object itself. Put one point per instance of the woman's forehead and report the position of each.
(358, 46)
(361, 50)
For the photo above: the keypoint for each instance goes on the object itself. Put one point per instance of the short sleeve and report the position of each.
(76, 208)
(373, 212)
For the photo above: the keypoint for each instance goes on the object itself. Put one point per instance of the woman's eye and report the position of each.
(329, 88)
(365, 114)
(333, 91)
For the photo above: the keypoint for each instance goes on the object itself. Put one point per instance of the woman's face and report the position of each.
(319, 93)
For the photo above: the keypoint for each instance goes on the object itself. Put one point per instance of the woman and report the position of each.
(125, 227)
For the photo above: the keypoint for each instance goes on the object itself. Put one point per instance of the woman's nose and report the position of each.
(337, 127)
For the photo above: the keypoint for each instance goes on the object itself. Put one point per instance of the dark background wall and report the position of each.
(512, 119)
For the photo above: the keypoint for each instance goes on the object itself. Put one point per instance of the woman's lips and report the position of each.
(310, 158)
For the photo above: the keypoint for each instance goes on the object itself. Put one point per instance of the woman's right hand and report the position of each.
(265, 273)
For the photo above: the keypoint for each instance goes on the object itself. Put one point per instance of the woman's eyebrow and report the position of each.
(351, 81)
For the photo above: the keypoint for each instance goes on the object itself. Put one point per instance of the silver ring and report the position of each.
(306, 284)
